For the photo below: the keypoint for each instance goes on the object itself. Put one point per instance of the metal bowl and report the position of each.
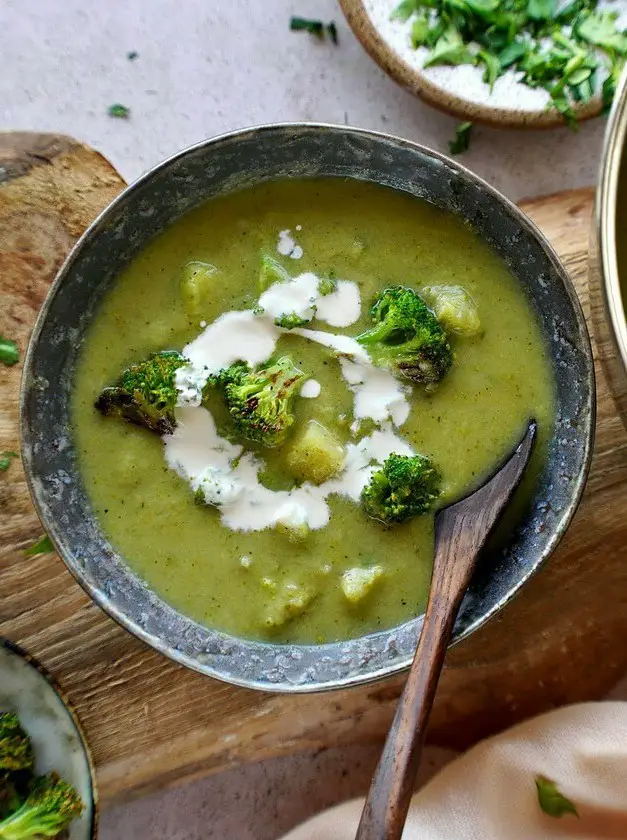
(219, 166)
(608, 253)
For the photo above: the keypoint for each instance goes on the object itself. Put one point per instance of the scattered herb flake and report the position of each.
(314, 27)
(332, 31)
(405, 10)
(119, 111)
(9, 353)
(460, 143)
(132, 55)
(42, 546)
(5, 460)
(552, 802)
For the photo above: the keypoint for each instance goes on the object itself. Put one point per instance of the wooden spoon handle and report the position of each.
(461, 531)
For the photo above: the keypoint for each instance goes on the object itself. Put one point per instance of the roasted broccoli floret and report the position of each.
(260, 401)
(48, 809)
(146, 393)
(271, 272)
(327, 285)
(10, 798)
(16, 750)
(407, 337)
(454, 308)
(405, 486)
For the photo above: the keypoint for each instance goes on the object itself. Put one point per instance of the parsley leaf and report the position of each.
(42, 546)
(461, 141)
(5, 460)
(119, 111)
(552, 802)
(132, 55)
(541, 9)
(404, 10)
(449, 49)
(9, 353)
(600, 30)
(492, 66)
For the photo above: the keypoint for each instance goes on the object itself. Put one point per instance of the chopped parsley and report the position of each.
(315, 27)
(572, 50)
(119, 111)
(552, 802)
(42, 546)
(5, 460)
(132, 55)
(461, 141)
(9, 353)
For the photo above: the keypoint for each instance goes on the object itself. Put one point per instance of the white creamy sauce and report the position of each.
(287, 246)
(342, 307)
(224, 473)
(378, 394)
(230, 479)
(311, 389)
(299, 295)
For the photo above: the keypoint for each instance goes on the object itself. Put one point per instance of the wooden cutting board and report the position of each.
(152, 723)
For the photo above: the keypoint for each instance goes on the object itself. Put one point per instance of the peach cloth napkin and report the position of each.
(489, 792)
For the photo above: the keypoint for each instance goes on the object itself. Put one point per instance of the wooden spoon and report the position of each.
(460, 532)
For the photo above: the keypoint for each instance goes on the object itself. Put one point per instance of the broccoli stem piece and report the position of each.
(260, 401)
(49, 808)
(145, 394)
(405, 486)
(406, 336)
(455, 309)
(16, 750)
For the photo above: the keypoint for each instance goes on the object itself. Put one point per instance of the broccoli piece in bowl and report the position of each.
(48, 809)
(260, 401)
(406, 336)
(291, 320)
(271, 272)
(198, 286)
(405, 486)
(145, 394)
(16, 750)
(455, 309)
(315, 455)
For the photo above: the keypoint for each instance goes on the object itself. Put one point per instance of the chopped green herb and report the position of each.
(315, 27)
(405, 10)
(461, 141)
(42, 546)
(120, 111)
(332, 32)
(552, 802)
(132, 55)
(573, 50)
(9, 353)
(5, 460)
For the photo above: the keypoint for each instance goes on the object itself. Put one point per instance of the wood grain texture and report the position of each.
(152, 723)
(461, 530)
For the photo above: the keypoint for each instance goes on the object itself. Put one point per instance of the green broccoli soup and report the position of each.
(281, 390)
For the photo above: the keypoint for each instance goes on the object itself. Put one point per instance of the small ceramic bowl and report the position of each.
(27, 689)
(460, 90)
(222, 165)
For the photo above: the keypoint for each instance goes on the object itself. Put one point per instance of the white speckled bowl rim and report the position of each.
(218, 166)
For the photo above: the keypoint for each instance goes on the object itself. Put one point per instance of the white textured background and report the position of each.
(207, 66)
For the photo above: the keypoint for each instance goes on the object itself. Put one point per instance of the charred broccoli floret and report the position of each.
(260, 401)
(16, 750)
(407, 337)
(405, 486)
(146, 393)
(454, 308)
(48, 809)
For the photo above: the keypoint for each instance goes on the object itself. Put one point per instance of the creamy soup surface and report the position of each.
(295, 560)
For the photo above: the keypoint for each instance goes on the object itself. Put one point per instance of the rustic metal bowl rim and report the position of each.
(33, 662)
(333, 648)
